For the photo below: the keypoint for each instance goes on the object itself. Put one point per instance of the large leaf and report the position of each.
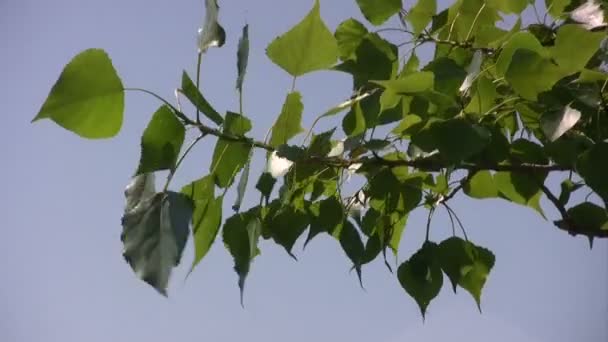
(198, 100)
(349, 35)
(410, 84)
(212, 34)
(510, 6)
(242, 57)
(229, 157)
(586, 43)
(308, 46)
(523, 73)
(161, 142)
(421, 276)
(593, 167)
(154, 235)
(288, 123)
(88, 97)
(520, 40)
(285, 224)
(421, 14)
(466, 264)
(378, 11)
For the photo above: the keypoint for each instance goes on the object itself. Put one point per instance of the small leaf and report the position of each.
(351, 243)
(193, 95)
(593, 167)
(349, 35)
(410, 84)
(555, 125)
(307, 47)
(466, 264)
(154, 235)
(161, 142)
(421, 276)
(288, 123)
(242, 186)
(229, 157)
(567, 187)
(378, 11)
(265, 184)
(481, 185)
(421, 14)
(587, 43)
(520, 188)
(212, 34)
(242, 57)
(88, 97)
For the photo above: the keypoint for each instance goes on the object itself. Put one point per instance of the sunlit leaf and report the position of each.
(421, 14)
(523, 73)
(378, 11)
(288, 123)
(88, 97)
(349, 35)
(198, 100)
(229, 157)
(556, 7)
(481, 185)
(410, 83)
(520, 40)
(587, 43)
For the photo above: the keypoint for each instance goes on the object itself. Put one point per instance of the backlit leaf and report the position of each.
(349, 35)
(378, 11)
(523, 73)
(229, 157)
(481, 185)
(198, 100)
(587, 43)
(421, 14)
(288, 123)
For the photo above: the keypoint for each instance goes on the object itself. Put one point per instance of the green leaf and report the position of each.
(589, 219)
(510, 6)
(466, 264)
(448, 75)
(410, 84)
(378, 11)
(307, 47)
(241, 233)
(349, 34)
(326, 216)
(288, 123)
(523, 73)
(242, 57)
(351, 243)
(456, 139)
(421, 14)
(421, 276)
(154, 235)
(161, 142)
(566, 150)
(353, 122)
(481, 185)
(567, 187)
(242, 186)
(88, 97)
(196, 98)
(593, 167)
(206, 223)
(212, 34)
(556, 7)
(520, 40)
(229, 157)
(586, 43)
(265, 184)
(520, 188)
(285, 225)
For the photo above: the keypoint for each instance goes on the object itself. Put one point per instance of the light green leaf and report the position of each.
(556, 7)
(481, 185)
(520, 188)
(349, 35)
(288, 123)
(196, 98)
(421, 14)
(88, 97)
(466, 264)
(412, 83)
(585, 42)
(593, 167)
(229, 157)
(523, 73)
(378, 11)
(421, 276)
(509, 6)
(212, 34)
(161, 142)
(242, 57)
(307, 47)
(520, 40)
(154, 235)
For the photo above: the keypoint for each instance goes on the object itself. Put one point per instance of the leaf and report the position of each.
(566, 150)
(161, 142)
(421, 276)
(520, 188)
(288, 123)
(472, 71)
(554, 126)
(593, 167)
(285, 225)
(466, 264)
(589, 219)
(344, 105)
(481, 185)
(241, 233)
(229, 157)
(421, 14)
(523, 73)
(587, 43)
(410, 84)
(212, 34)
(353, 122)
(520, 40)
(307, 47)
(242, 57)
(567, 187)
(456, 139)
(154, 235)
(326, 216)
(88, 97)
(378, 11)
(196, 98)
(511, 6)
(590, 14)
(139, 189)
(242, 186)
(265, 184)
(349, 34)
(556, 7)
(351, 243)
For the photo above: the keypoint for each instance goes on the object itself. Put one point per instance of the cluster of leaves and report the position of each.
(493, 112)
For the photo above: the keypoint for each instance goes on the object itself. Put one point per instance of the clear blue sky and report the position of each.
(64, 278)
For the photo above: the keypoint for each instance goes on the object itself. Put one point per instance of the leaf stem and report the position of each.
(198, 80)
(176, 111)
(181, 159)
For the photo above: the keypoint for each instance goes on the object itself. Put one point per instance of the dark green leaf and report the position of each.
(353, 123)
(194, 95)
(154, 235)
(520, 188)
(88, 97)
(520, 40)
(229, 157)
(588, 219)
(593, 167)
(466, 264)
(351, 243)
(567, 187)
(161, 142)
(285, 225)
(326, 216)
(242, 57)
(265, 184)
(378, 11)
(448, 75)
(288, 123)
(349, 35)
(307, 47)
(421, 276)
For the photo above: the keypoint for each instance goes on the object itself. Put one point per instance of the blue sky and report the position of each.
(64, 276)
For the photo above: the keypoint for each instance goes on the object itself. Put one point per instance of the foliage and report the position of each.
(493, 113)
